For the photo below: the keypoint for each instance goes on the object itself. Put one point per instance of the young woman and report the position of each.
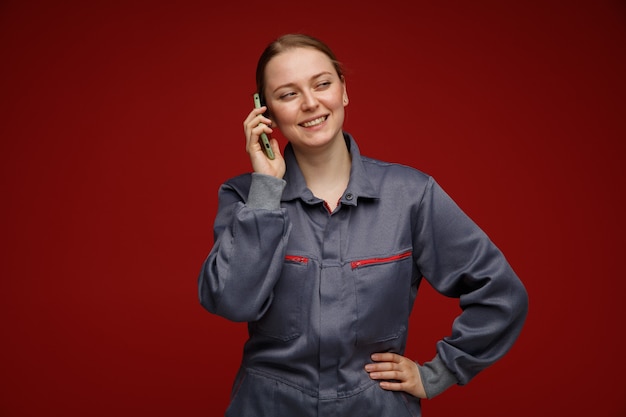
(322, 250)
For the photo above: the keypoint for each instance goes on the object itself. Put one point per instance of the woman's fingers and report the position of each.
(255, 124)
(254, 119)
(396, 373)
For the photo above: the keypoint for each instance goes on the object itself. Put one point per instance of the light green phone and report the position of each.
(265, 142)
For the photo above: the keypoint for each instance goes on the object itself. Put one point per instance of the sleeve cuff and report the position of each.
(436, 377)
(265, 192)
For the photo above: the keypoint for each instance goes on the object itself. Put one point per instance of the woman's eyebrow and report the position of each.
(312, 78)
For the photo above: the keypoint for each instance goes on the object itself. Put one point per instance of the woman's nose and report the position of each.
(309, 101)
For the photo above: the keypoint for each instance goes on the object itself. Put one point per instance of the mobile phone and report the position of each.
(265, 142)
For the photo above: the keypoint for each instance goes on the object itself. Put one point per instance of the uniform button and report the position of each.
(349, 196)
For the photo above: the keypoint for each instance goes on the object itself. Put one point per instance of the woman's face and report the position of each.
(306, 97)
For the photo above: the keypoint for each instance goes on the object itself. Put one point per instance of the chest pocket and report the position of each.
(283, 319)
(383, 292)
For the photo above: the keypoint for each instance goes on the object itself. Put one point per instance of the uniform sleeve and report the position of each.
(459, 260)
(250, 235)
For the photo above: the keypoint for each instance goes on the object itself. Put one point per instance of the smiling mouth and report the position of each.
(315, 122)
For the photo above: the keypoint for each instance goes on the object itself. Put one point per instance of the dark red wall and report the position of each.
(119, 120)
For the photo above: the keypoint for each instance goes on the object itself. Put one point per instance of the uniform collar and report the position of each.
(359, 185)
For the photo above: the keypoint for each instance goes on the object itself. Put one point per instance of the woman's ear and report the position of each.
(345, 92)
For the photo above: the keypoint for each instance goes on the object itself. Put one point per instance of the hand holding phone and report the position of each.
(265, 142)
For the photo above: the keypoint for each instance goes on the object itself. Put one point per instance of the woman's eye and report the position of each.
(324, 84)
(286, 95)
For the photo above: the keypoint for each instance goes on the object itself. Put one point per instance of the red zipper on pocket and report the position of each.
(297, 259)
(365, 262)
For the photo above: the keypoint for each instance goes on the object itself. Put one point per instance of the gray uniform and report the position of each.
(322, 291)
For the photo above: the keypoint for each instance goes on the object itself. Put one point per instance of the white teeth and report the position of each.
(314, 122)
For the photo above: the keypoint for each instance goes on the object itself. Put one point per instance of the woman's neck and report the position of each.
(326, 172)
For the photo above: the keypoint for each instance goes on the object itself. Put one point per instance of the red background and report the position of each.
(119, 120)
